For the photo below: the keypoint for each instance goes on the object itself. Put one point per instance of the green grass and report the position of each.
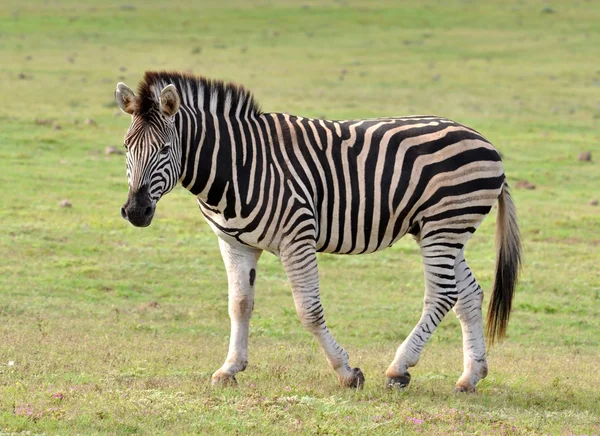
(116, 330)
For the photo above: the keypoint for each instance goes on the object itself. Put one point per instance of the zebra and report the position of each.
(296, 186)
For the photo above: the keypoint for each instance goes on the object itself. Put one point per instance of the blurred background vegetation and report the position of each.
(105, 328)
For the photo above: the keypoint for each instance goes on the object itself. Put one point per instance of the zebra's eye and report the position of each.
(165, 150)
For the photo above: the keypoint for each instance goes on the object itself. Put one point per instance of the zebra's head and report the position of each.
(153, 151)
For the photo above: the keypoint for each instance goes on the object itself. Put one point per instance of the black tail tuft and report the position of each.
(508, 264)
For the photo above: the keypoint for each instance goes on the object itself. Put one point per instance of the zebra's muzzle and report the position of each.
(139, 217)
(138, 209)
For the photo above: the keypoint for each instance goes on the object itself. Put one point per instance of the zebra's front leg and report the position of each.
(300, 264)
(240, 263)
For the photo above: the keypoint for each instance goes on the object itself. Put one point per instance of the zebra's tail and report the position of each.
(508, 264)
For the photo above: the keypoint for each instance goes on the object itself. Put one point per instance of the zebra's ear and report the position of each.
(125, 98)
(169, 100)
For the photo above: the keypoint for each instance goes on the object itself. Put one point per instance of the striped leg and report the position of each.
(240, 263)
(440, 297)
(300, 264)
(468, 311)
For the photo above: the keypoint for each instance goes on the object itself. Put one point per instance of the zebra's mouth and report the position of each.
(145, 223)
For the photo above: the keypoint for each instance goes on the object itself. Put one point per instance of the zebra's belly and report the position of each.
(266, 237)
(272, 243)
(358, 249)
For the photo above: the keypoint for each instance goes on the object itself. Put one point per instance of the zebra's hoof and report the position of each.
(355, 381)
(223, 379)
(398, 382)
(464, 387)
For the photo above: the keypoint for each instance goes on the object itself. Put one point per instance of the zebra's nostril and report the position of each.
(123, 213)
(148, 211)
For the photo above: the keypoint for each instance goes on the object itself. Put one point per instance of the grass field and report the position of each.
(106, 328)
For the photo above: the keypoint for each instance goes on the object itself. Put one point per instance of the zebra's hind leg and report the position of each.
(300, 263)
(240, 263)
(468, 311)
(439, 257)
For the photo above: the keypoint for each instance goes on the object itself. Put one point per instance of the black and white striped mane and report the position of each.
(190, 87)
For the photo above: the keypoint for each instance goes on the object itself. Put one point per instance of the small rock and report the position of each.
(65, 203)
(585, 156)
(28, 58)
(90, 122)
(70, 59)
(112, 150)
(44, 122)
(524, 184)
(122, 69)
(57, 127)
(22, 76)
(594, 202)
(548, 10)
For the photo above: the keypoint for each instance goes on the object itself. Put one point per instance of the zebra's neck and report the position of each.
(222, 150)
